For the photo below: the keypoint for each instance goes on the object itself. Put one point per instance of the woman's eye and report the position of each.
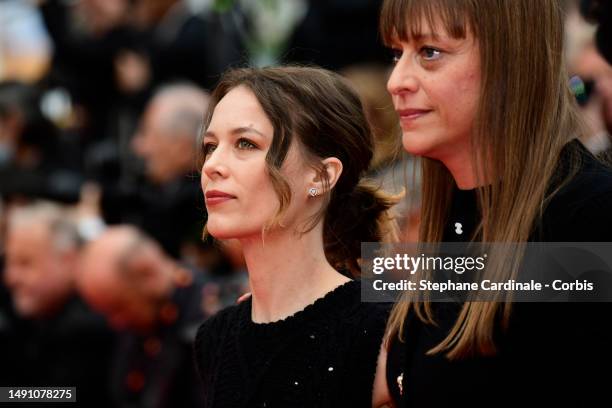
(430, 54)
(396, 55)
(208, 148)
(245, 144)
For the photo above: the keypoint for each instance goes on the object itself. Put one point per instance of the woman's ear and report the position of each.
(332, 168)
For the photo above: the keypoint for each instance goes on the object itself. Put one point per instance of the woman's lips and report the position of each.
(409, 116)
(217, 200)
(215, 197)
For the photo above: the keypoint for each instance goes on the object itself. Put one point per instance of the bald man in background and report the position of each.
(156, 305)
(169, 131)
(168, 204)
(56, 340)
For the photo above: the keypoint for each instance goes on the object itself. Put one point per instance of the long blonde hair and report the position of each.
(526, 116)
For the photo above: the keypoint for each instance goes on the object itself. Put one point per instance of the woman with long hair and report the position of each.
(482, 95)
(285, 150)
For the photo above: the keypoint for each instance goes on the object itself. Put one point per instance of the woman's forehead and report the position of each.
(413, 20)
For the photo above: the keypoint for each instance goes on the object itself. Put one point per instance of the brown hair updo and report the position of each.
(325, 115)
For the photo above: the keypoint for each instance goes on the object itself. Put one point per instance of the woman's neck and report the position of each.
(460, 164)
(287, 272)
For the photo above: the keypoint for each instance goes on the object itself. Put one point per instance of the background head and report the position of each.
(100, 16)
(148, 13)
(311, 132)
(126, 277)
(42, 248)
(168, 132)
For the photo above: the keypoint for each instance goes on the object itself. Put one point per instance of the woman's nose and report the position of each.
(403, 78)
(215, 165)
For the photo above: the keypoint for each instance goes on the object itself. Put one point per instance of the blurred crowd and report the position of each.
(105, 274)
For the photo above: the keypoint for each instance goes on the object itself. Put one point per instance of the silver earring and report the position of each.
(313, 192)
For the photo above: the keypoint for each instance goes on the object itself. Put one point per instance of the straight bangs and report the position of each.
(406, 20)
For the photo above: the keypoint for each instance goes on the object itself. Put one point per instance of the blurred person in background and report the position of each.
(27, 139)
(225, 285)
(170, 206)
(36, 160)
(156, 305)
(597, 103)
(599, 12)
(337, 34)
(169, 42)
(87, 35)
(57, 340)
(391, 166)
(595, 95)
(110, 55)
(168, 132)
(181, 44)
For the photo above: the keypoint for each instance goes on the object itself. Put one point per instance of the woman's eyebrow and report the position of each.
(237, 131)
(246, 129)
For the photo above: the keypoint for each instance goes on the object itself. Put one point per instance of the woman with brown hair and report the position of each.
(483, 97)
(284, 152)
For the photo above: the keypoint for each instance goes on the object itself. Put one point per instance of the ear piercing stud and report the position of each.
(313, 192)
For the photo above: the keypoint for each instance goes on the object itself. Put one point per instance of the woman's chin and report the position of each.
(223, 232)
(417, 146)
